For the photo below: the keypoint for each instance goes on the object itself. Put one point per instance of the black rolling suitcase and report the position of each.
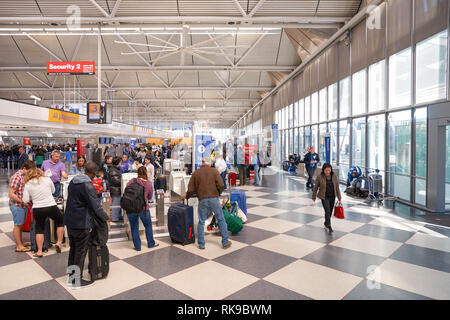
(98, 261)
(46, 243)
(98, 250)
(180, 222)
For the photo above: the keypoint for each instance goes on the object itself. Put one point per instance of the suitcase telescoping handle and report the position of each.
(187, 200)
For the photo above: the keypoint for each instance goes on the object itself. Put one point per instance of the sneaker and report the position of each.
(83, 284)
(201, 248)
(227, 245)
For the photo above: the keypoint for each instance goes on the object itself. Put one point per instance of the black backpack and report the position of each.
(133, 199)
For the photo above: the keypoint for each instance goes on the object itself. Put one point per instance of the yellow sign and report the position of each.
(134, 128)
(62, 117)
(94, 111)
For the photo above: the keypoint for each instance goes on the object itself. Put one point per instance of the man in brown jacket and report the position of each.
(207, 183)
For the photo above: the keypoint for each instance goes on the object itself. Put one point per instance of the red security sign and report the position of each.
(70, 67)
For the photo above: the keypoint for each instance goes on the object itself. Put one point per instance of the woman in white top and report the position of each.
(39, 189)
(221, 166)
(150, 173)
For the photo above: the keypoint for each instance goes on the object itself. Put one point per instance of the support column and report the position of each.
(99, 68)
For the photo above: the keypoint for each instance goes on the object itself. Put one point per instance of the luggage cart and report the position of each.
(376, 188)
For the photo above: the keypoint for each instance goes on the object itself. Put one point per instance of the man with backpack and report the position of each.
(85, 221)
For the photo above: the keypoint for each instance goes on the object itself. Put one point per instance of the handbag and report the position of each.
(339, 210)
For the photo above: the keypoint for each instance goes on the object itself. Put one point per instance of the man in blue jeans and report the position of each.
(207, 183)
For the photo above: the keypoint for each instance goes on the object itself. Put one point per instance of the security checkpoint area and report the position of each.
(262, 151)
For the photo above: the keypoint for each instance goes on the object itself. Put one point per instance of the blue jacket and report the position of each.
(83, 205)
(309, 157)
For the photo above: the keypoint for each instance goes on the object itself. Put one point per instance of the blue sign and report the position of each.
(132, 144)
(166, 141)
(328, 148)
(203, 146)
(274, 133)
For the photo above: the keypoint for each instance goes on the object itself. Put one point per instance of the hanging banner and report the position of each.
(132, 144)
(249, 150)
(274, 133)
(70, 67)
(203, 145)
(27, 141)
(81, 150)
(62, 117)
(328, 147)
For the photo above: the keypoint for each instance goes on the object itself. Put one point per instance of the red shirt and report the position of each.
(98, 184)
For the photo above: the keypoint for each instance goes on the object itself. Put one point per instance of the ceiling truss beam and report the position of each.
(151, 88)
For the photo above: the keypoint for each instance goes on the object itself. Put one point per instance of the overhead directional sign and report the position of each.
(70, 67)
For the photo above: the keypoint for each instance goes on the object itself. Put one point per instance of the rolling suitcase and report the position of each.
(46, 243)
(180, 222)
(98, 261)
(240, 197)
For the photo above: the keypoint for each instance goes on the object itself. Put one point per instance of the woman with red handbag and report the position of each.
(326, 188)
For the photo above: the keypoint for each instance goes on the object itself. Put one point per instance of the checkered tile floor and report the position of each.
(282, 253)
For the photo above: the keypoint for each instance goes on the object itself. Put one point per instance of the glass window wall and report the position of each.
(400, 79)
(400, 154)
(359, 93)
(307, 137)
(321, 151)
(332, 128)
(344, 149)
(301, 112)
(359, 143)
(296, 141)
(344, 98)
(307, 110)
(377, 86)
(332, 102)
(291, 116)
(314, 137)
(315, 107)
(323, 105)
(296, 114)
(431, 66)
(421, 156)
(301, 145)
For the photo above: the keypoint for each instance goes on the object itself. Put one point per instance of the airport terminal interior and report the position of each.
(271, 93)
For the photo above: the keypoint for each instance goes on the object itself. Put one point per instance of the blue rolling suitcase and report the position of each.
(240, 197)
(180, 222)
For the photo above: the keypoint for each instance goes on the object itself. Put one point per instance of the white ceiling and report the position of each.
(169, 88)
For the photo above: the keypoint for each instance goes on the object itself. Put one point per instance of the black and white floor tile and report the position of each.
(283, 252)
